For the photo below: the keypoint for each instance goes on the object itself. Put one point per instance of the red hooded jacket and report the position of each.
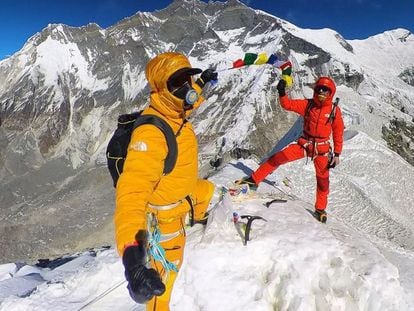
(316, 117)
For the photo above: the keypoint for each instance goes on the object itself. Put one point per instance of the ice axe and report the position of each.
(250, 220)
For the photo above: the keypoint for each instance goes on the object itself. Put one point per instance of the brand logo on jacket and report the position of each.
(139, 146)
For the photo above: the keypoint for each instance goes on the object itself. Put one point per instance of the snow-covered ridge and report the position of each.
(292, 262)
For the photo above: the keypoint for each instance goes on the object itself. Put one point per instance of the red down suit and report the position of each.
(315, 140)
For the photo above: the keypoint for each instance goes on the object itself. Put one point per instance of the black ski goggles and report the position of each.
(178, 82)
(180, 77)
(321, 89)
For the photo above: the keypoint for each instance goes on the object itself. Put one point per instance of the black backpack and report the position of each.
(118, 145)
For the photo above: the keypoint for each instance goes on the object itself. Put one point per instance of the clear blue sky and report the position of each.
(354, 19)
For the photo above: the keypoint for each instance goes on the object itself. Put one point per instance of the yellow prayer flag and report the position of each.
(261, 59)
(288, 79)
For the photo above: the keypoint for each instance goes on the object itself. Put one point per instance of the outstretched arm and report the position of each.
(295, 105)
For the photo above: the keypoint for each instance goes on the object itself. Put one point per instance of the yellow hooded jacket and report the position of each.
(142, 181)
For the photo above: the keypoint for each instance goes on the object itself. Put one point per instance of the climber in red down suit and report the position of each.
(321, 120)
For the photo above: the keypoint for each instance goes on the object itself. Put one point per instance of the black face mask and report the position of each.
(187, 93)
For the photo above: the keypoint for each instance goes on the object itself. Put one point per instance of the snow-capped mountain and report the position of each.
(60, 96)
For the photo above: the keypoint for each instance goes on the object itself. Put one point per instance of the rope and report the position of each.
(156, 251)
(111, 289)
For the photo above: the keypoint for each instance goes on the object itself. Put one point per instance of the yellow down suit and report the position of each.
(142, 189)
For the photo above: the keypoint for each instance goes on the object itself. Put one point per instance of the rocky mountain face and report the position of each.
(399, 135)
(408, 76)
(60, 96)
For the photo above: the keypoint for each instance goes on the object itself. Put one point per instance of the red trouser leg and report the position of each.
(322, 181)
(290, 153)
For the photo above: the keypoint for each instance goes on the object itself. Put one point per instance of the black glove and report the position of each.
(215, 163)
(143, 283)
(333, 160)
(206, 76)
(281, 87)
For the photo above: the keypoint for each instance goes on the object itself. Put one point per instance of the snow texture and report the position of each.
(292, 262)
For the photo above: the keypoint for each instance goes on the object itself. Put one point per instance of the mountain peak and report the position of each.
(398, 34)
(402, 34)
(192, 4)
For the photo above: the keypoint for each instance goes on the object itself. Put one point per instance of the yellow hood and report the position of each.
(158, 71)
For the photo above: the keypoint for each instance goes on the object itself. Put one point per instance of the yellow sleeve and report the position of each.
(142, 171)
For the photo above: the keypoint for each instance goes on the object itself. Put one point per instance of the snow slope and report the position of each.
(359, 260)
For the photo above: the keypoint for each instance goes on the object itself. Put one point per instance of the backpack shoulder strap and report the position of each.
(332, 115)
(169, 136)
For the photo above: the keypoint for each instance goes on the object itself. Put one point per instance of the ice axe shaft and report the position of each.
(250, 220)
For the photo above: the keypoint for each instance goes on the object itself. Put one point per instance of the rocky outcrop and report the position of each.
(399, 135)
(408, 76)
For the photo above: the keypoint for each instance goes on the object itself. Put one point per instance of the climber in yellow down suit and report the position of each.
(151, 207)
